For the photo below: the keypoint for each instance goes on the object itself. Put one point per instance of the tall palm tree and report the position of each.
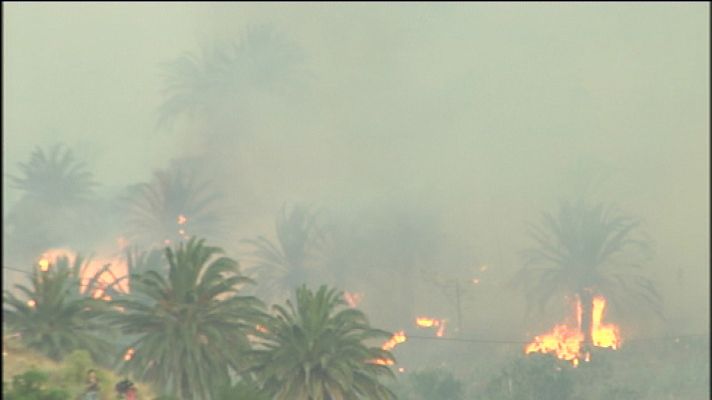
(315, 349)
(586, 250)
(176, 204)
(53, 317)
(190, 325)
(218, 79)
(291, 261)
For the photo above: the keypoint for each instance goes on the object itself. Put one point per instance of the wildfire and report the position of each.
(31, 303)
(566, 342)
(397, 338)
(352, 299)
(382, 361)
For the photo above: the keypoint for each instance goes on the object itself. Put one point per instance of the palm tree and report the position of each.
(315, 350)
(189, 326)
(283, 266)
(54, 177)
(586, 250)
(52, 316)
(56, 187)
(212, 83)
(177, 204)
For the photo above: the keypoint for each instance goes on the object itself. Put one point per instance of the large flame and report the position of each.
(566, 342)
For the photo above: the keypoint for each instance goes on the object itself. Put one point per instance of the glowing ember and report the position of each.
(31, 303)
(565, 341)
(352, 299)
(401, 369)
(261, 328)
(397, 338)
(181, 232)
(182, 219)
(129, 354)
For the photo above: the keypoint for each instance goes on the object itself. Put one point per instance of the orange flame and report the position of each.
(261, 328)
(565, 342)
(381, 361)
(603, 335)
(31, 303)
(182, 219)
(397, 338)
(129, 354)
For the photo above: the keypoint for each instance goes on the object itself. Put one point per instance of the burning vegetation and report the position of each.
(567, 342)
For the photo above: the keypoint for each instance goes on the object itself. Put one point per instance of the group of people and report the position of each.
(124, 389)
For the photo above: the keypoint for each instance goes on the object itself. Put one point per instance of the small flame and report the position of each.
(425, 322)
(397, 338)
(181, 232)
(182, 219)
(381, 361)
(441, 329)
(31, 303)
(261, 328)
(129, 354)
(44, 264)
(401, 369)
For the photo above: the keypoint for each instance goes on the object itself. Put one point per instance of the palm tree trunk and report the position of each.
(586, 299)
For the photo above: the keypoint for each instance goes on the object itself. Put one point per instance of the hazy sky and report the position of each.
(479, 111)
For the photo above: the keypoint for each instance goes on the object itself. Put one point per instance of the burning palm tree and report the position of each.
(586, 250)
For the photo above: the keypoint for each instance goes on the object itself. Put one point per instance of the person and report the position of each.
(92, 390)
(126, 390)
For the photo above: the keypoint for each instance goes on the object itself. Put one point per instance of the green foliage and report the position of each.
(52, 317)
(32, 385)
(190, 325)
(315, 349)
(242, 390)
(532, 378)
(435, 384)
(76, 366)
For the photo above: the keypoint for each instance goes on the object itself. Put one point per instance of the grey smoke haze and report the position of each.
(483, 115)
